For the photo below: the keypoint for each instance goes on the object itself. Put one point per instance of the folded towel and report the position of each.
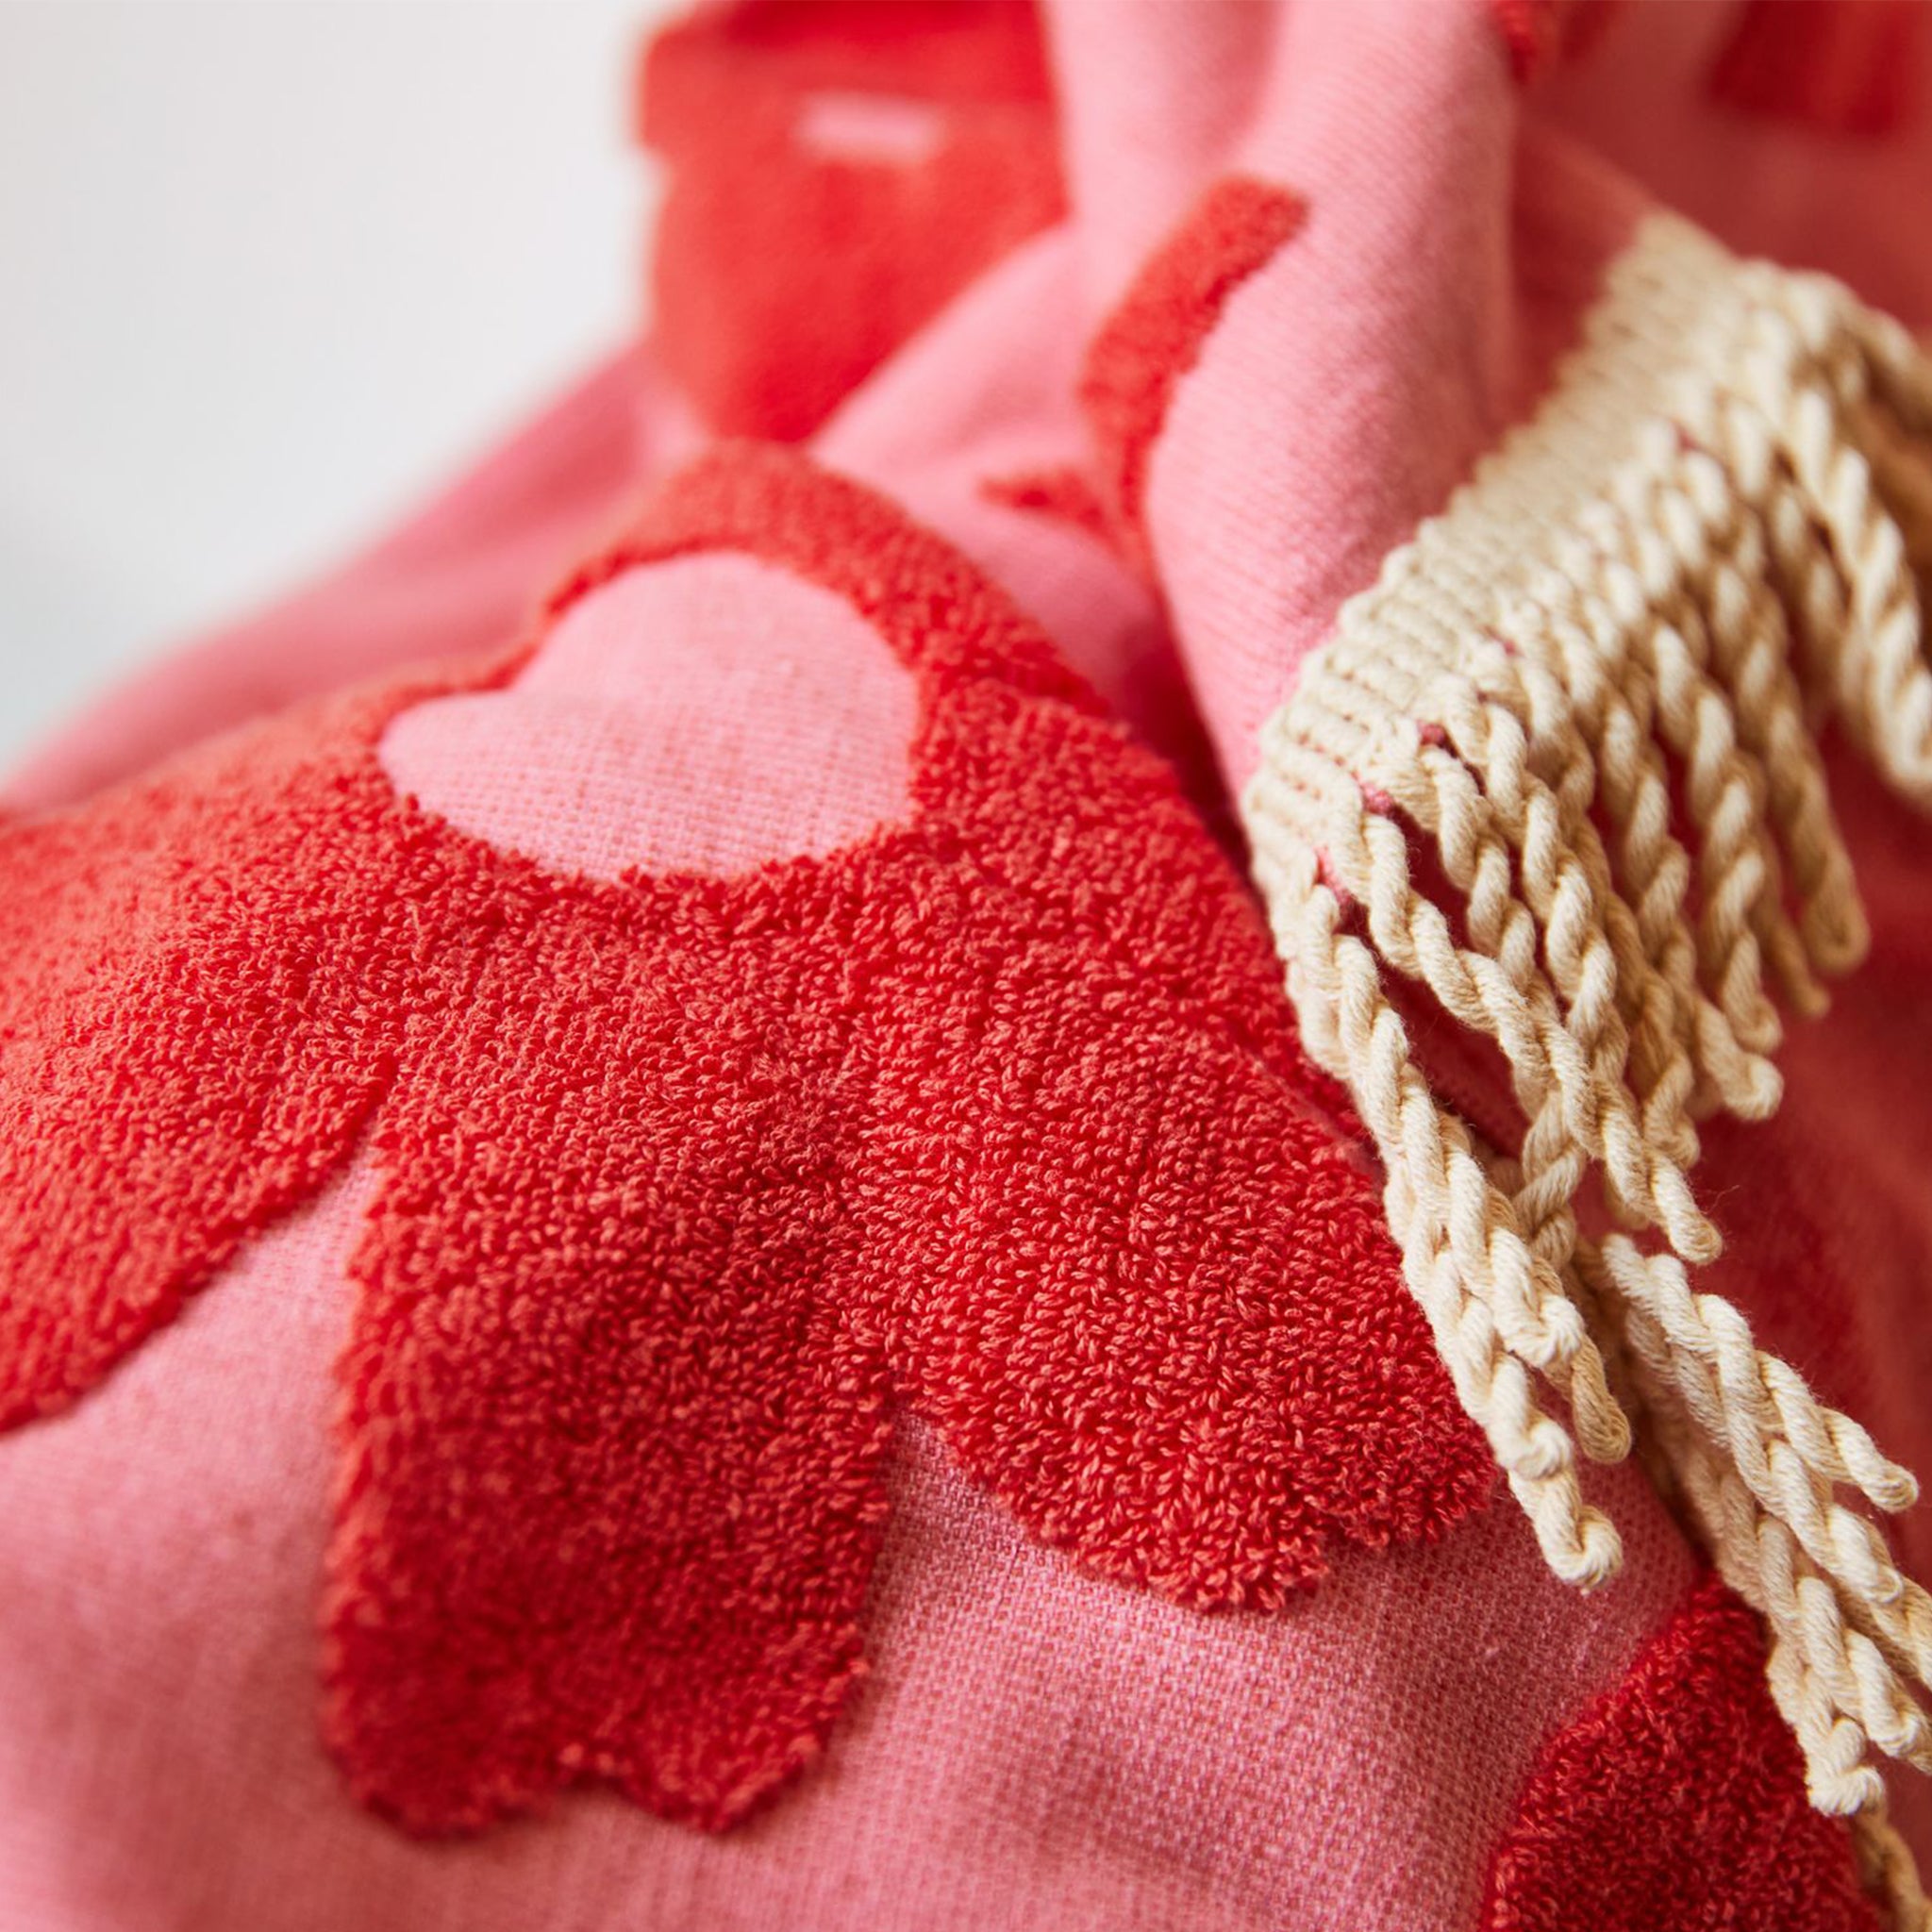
(676, 1247)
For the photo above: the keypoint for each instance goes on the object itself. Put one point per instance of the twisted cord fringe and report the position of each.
(1712, 535)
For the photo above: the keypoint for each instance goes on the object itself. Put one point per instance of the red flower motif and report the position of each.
(1676, 1802)
(1836, 67)
(835, 174)
(686, 1184)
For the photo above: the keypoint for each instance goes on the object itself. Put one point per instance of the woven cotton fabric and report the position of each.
(1007, 1101)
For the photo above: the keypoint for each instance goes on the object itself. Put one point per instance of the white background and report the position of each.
(269, 268)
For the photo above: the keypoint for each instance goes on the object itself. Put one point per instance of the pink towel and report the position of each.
(1008, 1102)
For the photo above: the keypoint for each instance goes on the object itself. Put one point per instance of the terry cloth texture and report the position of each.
(684, 1180)
(1635, 1812)
(696, 1251)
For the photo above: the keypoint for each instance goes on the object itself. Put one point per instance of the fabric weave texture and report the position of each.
(926, 1128)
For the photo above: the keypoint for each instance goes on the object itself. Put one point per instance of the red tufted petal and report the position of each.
(1676, 1802)
(996, 1113)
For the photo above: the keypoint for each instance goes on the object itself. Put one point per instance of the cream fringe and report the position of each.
(1708, 538)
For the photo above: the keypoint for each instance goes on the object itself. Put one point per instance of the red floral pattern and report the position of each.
(785, 269)
(1836, 67)
(688, 1184)
(1157, 331)
(1676, 1803)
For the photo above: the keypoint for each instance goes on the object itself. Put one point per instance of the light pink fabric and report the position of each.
(986, 394)
(1425, 295)
(1035, 1750)
(1155, 98)
(871, 127)
(703, 716)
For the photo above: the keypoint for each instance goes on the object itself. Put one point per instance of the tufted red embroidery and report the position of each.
(1676, 1802)
(1066, 494)
(1538, 34)
(786, 266)
(686, 1182)
(1835, 66)
(1156, 333)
